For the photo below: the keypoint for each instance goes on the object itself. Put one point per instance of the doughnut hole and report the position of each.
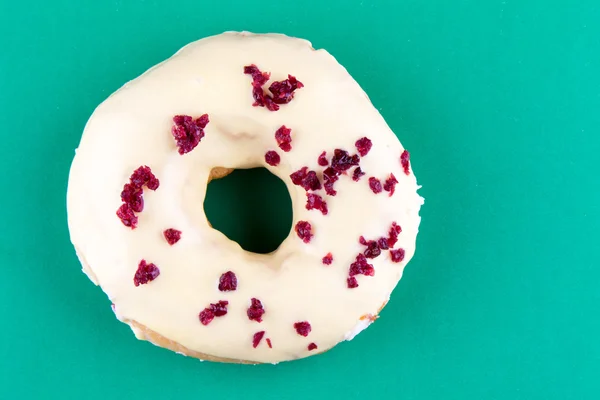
(250, 206)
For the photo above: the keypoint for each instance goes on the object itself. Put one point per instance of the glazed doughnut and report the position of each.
(240, 100)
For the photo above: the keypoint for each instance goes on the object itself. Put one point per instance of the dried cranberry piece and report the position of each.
(303, 230)
(330, 176)
(127, 217)
(145, 273)
(144, 176)
(390, 184)
(228, 282)
(257, 338)
(132, 196)
(328, 259)
(259, 78)
(314, 201)
(361, 267)
(312, 346)
(269, 343)
(397, 255)
(383, 244)
(395, 230)
(256, 310)
(283, 91)
(172, 236)
(311, 181)
(322, 160)
(352, 282)
(357, 174)
(299, 175)
(188, 132)
(206, 316)
(272, 158)
(342, 161)
(219, 308)
(363, 146)
(375, 185)
(405, 161)
(372, 250)
(284, 138)
(302, 328)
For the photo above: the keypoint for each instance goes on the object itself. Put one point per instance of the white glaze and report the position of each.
(132, 128)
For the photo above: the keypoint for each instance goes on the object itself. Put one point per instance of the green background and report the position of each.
(499, 104)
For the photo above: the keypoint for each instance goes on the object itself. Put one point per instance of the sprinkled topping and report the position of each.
(390, 184)
(213, 310)
(188, 132)
(284, 138)
(357, 174)
(257, 338)
(383, 244)
(395, 230)
(352, 282)
(272, 158)
(342, 161)
(283, 91)
(172, 236)
(132, 196)
(299, 175)
(322, 160)
(363, 146)
(314, 201)
(303, 230)
(372, 250)
(127, 217)
(330, 176)
(302, 328)
(144, 176)
(145, 273)
(375, 185)
(256, 310)
(228, 282)
(361, 267)
(311, 181)
(269, 343)
(405, 161)
(397, 255)
(260, 78)
(328, 259)
(312, 347)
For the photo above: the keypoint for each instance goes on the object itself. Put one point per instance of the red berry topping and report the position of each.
(405, 161)
(393, 234)
(284, 138)
(172, 236)
(272, 158)
(188, 132)
(330, 176)
(357, 174)
(352, 282)
(213, 310)
(372, 250)
(311, 181)
(283, 91)
(383, 244)
(361, 267)
(144, 176)
(397, 255)
(257, 338)
(302, 328)
(312, 347)
(322, 160)
(262, 100)
(145, 273)
(127, 217)
(328, 259)
(256, 310)
(363, 146)
(258, 78)
(132, 196)
(299, 175)
(228, 282)
(269, 343)
(390, 184)
(303, 230)
(375, 185)
(342, 161)
(314, 201)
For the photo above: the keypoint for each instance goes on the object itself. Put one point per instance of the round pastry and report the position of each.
(239, 100)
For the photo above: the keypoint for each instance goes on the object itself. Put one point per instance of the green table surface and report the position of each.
(499, 104)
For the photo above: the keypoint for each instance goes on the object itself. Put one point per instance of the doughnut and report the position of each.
(235, 101)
